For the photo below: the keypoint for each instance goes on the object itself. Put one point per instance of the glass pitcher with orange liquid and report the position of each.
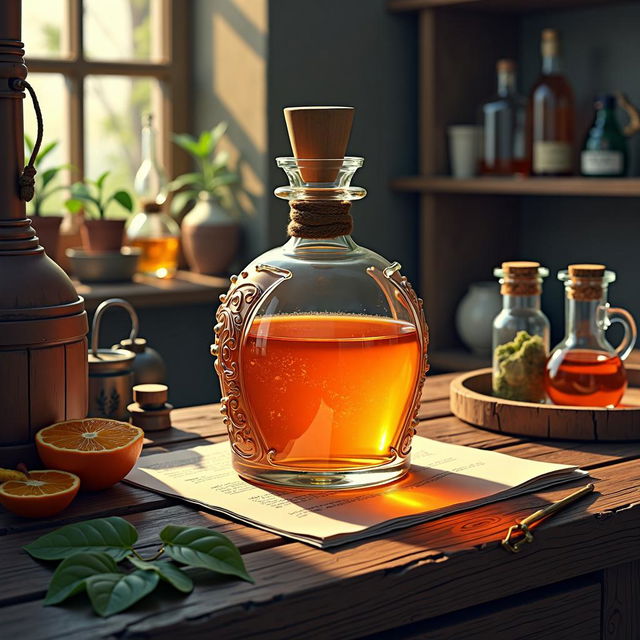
(320, 344)
(584, 369)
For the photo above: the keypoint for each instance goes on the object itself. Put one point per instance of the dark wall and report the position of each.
(355, 53)
(602, 53)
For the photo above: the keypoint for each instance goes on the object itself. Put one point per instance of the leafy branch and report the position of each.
(44, 187)
(213, 175)
(91, 551)
(92, 193)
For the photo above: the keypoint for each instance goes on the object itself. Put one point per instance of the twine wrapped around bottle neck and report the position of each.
(319, 218)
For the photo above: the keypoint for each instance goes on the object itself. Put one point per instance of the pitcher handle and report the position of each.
(616, 314)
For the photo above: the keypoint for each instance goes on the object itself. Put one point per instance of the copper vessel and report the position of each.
(43, 324)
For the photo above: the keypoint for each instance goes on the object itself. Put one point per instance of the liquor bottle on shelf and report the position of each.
(504, 121)
(551, 115)
(155, 233)
(604, 153)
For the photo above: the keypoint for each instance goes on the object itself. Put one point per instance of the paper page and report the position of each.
(442, 477)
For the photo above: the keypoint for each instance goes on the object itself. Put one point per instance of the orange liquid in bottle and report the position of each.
(159, 256)
(587, 378)
(330, 392)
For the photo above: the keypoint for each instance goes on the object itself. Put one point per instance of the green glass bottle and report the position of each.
(604, 153)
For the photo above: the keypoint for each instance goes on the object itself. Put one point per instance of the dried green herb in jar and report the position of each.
(519, 369)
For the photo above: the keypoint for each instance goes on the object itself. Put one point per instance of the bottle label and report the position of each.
(601, 163)
(551, 157)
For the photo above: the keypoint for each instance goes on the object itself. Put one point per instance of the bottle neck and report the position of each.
(506, 83)
(605, 117)
(551, 64)
(319, 248)
(584, 320)
(510, 302)
(148, 144)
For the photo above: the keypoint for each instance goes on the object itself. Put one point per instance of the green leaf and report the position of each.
(73, 205)
(217, 132)
(101, 178)
(185, 180)
(71, 575)
(205, 548)
(114, 592)
(223, 180)
(181, 200)
(167, 571)
(124, 198)
(49, 175)
(45, 151)
(205, 144)
(114, 536)
(221, 160)
(28, 143)
(186, 142)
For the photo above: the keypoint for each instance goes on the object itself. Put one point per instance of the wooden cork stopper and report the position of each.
(585, 281)
(521, 268)
(586, 270)
(520, 278)
(319, 133)
(505, 66)
(150, 396)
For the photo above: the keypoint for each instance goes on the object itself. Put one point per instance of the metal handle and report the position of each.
(102, 307)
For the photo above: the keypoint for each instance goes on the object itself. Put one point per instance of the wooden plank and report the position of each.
(370, 586)
(524, 186)
(621, 602)
(48, 386)
(540, 615)
(146, 291)
(14, 397)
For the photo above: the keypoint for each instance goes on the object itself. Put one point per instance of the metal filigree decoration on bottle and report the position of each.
(234, 317)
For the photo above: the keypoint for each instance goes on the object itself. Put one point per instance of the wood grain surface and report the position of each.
(436, 577)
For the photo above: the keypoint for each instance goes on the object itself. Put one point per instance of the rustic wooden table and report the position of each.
(445, 579)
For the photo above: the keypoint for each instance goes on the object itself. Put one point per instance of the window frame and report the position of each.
(171, 71)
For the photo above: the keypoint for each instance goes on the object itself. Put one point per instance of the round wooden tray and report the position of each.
(471, 401)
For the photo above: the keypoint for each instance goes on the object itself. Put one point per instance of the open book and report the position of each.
(444, 478)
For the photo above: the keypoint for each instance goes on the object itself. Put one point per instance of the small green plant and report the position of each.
(213, 175)
(91, 552)
(44, 180)
(92, 193)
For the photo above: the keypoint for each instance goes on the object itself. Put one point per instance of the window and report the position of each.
(97, 67)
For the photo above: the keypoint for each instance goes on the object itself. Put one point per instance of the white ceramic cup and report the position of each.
(465, 145)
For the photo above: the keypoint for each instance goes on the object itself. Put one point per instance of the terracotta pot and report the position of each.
(102, 236)
(48, 232)
(210, 237)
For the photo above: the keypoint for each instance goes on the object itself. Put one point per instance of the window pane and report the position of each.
(44, 28)
(122, 29)
(53, 97)
(114, 106)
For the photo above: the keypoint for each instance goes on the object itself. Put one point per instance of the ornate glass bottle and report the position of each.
(321, 344)
(584, 369)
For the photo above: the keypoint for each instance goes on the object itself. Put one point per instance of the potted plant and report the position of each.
(47, 226)
(99, 235)
(210, 237)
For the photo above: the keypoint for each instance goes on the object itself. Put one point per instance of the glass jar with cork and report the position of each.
(520, 333)
(584, 369)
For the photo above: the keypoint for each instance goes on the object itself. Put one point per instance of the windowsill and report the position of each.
(145, 291)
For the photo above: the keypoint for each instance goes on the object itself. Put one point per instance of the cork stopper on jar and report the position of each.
(320, 135)
(521, 278)
(550, 43)
(585, 281)
(505, 65)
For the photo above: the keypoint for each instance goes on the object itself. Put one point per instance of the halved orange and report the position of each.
(41, 494)
(99, 450)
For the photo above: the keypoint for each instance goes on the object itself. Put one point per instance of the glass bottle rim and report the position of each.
(292, 162)
(581, 281)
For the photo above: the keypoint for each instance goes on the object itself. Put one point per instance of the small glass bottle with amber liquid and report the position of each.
(584, 369)
(156, 234)
(320, 344)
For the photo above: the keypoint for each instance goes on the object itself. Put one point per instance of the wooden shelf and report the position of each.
(186, 288)
(511, 6)
(457, 360)
(604, 187)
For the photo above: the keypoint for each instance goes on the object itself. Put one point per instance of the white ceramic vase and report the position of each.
(475, 314)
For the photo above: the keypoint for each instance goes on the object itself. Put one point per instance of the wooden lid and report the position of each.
(319, 133)
(586, 270)
(522, 269)
(150, 395)
(550, 34)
